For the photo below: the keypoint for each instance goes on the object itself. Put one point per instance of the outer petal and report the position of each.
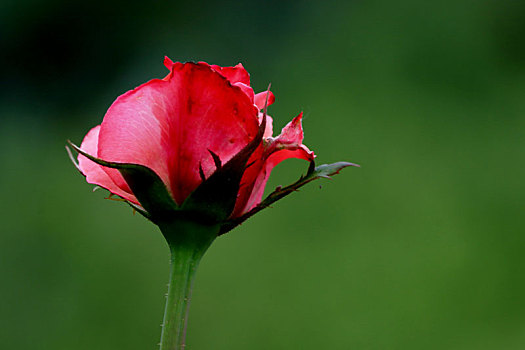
(287, 145)
(94, 173)
(171, 125)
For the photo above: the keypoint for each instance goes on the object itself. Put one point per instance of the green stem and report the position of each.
(188, 241)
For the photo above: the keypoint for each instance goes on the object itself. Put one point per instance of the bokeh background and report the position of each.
(421, 248)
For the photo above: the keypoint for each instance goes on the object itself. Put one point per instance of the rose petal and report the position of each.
(168, 63)
(260, 99)
(292, 134)
(260, 183)
(171, 125)
(268, 131)
(95, 173)
(255, 166)
(287, 145)
(247, 90)
(235, 74)
(238, 76)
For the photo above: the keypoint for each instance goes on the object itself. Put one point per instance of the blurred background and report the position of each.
(421, 248)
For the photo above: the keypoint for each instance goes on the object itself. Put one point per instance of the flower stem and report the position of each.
(188, 241)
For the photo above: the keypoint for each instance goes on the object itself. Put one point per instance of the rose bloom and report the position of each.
(183, 127)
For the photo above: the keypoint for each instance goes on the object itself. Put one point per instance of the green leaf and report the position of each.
(314, 173)
(145, 184)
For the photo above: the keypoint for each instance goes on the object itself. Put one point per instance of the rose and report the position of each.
(200, 130)
(193, 152)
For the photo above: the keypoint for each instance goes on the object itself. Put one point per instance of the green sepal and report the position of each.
(145, 184)
(313, 173)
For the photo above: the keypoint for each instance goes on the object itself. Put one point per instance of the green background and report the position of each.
(421, 248)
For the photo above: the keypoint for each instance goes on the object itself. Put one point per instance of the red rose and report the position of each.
(192, 152)
(185, 128)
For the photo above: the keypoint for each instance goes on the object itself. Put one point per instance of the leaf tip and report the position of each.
(347, 164)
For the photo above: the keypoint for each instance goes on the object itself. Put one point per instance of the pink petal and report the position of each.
(95, 173)
(287, 145)
(171, 125)
(260, 99)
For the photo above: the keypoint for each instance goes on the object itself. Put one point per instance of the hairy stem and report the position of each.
(188, 242)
